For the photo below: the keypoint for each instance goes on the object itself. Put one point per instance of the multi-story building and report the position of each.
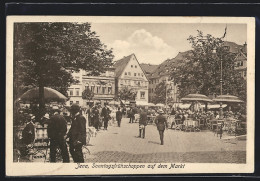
(162, 73)
(103, 87)
(129, 73)
(241, 61)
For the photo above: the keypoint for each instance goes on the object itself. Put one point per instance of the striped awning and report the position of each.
(196, 97)
(228, 98)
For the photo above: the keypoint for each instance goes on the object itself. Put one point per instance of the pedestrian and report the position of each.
(77, 134)
(90, 117)
(105, 115)
(95, 114)
(161, 124)
(142, 123)
(119, 117)
(57, 129)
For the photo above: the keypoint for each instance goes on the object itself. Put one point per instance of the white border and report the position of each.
(25, 169)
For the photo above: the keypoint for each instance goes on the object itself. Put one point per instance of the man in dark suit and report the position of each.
(105, 114)
(77, 134)
(142, 123)
(161, 124)
(57, 129)
(119, 117)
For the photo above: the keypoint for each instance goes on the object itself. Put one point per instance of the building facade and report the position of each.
(129, 73)
(103, 87)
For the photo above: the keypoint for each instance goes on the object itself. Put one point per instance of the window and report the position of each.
(241, 63)
(142, 74)
(138, 74)
(142, 95)
(131, 66)
(71, 92)
(77, 92)
(77, 102)
(103, 90)
(135, 66)
(129, 73)
(71, 102)
(97, 90)
(134, 74)
(86, 87)
(245, 74)
(125, 81)
(92, 88)
(125, 73)
(109, 89)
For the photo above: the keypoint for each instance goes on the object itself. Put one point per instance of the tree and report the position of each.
(126, 94)
(160, 93)
(87, 94)
(46, 54)
(201, 73)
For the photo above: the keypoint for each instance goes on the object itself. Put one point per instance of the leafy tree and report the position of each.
(127, 94)
(46, 54)
(160, 93)
(87, 94)
(201, 73)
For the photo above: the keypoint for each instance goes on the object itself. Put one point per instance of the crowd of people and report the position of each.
(96, 116)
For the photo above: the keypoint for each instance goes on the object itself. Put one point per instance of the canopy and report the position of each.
(141, 103)
(214, 106)
(49, 95)
(227, 99)
(125, 102)
(196, 97)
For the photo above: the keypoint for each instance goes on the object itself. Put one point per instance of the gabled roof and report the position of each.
(121, 64)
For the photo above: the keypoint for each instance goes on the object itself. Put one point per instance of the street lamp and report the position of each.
(223, 50)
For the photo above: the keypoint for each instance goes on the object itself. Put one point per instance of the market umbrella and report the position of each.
(196, 97)
(49, 95)
(227, 99)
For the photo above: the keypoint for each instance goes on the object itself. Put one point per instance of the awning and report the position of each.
(141, 103)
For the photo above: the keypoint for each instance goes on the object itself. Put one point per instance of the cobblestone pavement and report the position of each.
(122, 145)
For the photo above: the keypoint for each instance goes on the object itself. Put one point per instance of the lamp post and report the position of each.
(223, 50)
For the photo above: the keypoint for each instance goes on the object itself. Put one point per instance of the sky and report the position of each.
(155, 42)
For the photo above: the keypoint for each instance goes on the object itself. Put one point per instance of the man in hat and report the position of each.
(142, 123)
(161, 124)
(105, 115)
(57, 129)
(119, 117)
(28, 134)
(77, 134)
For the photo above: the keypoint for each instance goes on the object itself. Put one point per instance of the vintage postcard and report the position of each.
(103, 95)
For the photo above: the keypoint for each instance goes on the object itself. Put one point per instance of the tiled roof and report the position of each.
(167, 66)
(234, 48)
(148, 68)
(120, 65)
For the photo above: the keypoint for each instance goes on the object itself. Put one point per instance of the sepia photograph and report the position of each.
(129, 95)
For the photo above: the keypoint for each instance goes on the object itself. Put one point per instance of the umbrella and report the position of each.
(227, 99)
(141, 103)
(49, 95)
(196, 97)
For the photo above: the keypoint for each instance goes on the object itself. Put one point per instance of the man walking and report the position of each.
(57, 129)
(77, 134)
(142, 123)
(105, 114)
(119, 117)
(161, 124)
